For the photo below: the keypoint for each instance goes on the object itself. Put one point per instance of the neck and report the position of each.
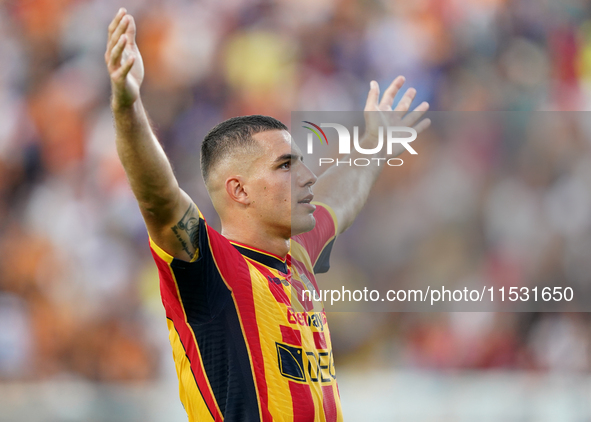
(277, 245)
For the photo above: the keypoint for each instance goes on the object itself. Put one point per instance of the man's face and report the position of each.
(281, 186)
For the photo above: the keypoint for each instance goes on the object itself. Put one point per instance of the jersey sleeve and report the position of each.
(318, 242)
(197, 286)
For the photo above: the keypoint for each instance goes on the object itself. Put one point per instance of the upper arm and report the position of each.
(175, 228)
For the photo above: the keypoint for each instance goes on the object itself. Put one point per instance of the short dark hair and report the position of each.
(231, 134)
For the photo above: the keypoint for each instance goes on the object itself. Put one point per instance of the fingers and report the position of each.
(115, 22)
(117, 51)
(130, 32)
(406, 100)
(390, 93)
(401, 113)
(119, 30)
(412, 117)
(121, 73)
(423, 124)
(373, 96)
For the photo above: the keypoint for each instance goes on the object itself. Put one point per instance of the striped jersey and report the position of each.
(249, 340)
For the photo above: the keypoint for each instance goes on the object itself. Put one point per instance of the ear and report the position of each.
(236, 190)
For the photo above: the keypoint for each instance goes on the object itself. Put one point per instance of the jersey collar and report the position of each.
(266, 258)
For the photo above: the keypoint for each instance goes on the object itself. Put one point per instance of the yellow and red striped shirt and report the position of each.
(248, 345)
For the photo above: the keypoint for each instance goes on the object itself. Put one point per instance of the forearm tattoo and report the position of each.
(188, 227)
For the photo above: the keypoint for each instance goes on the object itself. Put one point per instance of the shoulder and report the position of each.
(313, 248)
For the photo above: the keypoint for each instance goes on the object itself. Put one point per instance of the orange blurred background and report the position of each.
(79, 298)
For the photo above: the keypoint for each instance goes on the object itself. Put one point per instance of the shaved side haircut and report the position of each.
(231, 136)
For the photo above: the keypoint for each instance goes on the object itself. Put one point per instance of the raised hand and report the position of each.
(124, 61)
(380, 113)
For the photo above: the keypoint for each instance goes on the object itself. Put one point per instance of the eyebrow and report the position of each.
(290, 157)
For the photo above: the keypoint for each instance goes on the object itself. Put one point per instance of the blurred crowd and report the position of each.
(492, 199)
(78, 289)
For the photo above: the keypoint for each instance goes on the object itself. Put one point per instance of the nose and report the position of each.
(308, 178)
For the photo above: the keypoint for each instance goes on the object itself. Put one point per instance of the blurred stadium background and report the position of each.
(82, 330)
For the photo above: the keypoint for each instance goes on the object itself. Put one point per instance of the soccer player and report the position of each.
(246, 345)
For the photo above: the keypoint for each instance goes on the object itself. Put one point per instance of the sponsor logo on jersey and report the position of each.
(317, 366)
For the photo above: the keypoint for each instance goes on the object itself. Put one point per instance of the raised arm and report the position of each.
(345, 189)
(168, 212)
